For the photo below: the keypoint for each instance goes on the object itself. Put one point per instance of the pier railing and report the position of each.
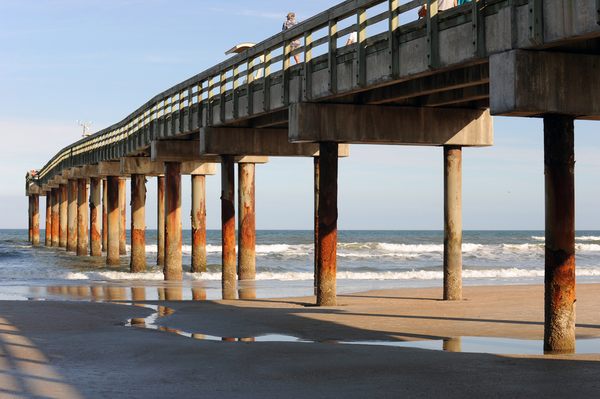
(316, 39)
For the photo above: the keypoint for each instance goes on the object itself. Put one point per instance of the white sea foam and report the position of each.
(371, 250)
(508, 273)
(580, 238)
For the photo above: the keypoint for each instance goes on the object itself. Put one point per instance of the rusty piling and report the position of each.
(559, 165)
(35, 220)
(198, 224)
(82, 217)
(63, 211)
(452, 223)
(95, 232)
(246, 222)
(48, 231)
(327, 215)
(30, 218)
(316, 222)
(72, 216)
(123, 219)
(160, 223)
(228, 276)
(55, 218)
(173, 262)
(104, 215)
(138, 224)
(113, 221)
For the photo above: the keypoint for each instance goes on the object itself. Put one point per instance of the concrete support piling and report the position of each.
(138, 224)
(452, 223)
(198, 224)
(228, 278)
(95, 232)
(35, 220)
(113, 221)
(63, 211)
(316, 221)
(48, 231)
(55, 218)
(160, 223)
(246, 222)
(104, 215)
(30, 218)
(173, 262)
(82, 217)
(72, 216)
(123, 220)
(559, 165)
(327, 214)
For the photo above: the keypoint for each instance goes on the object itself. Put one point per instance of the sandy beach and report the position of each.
(81, 349)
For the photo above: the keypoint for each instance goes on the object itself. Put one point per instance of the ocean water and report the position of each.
(366, 260)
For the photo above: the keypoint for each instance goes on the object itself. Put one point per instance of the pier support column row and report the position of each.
(559, 166)
(30, 218)
(55, 218)
(138, 224)
(198, 224)
(95, 215)
(452, 223)
(228, 258)
(246, 222)
(35, 219)
(63, 209)
(327, 214)
(82, 217)
(316, 166)
(104, 215)
(113, 218)
(160, 224)
(48, 231)
(123, 220)
(72, 216)
(173, 262)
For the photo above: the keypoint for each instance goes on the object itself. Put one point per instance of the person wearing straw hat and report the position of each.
(289, 23)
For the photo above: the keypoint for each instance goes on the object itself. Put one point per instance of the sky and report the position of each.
(98, 60)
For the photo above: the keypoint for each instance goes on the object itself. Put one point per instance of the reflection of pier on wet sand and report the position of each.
(295, 349)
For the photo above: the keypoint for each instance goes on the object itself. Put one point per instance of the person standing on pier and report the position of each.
(289, 23)
(442, 6)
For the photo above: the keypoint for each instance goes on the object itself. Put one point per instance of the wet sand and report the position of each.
(83, 350)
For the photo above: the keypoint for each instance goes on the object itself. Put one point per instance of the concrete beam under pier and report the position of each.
(370, 124)
(256, 142)
(178, 151)
(141, 166)
(530, 83)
